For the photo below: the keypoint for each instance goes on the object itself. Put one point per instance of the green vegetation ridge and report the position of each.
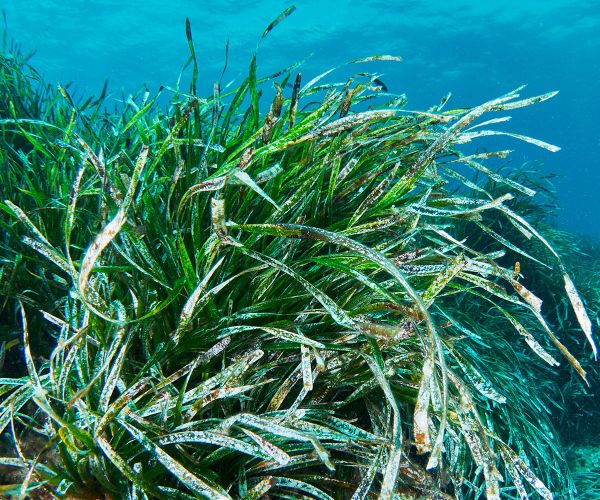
(318, 295)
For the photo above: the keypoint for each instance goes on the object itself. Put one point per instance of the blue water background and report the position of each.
(476, 49)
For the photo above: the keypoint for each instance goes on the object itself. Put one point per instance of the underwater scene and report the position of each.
(322, 250)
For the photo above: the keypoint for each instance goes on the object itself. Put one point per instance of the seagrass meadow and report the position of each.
(294, 288)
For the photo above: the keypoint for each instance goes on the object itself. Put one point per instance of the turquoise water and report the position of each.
(477, 50)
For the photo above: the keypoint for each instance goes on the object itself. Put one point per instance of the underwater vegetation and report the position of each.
(283, 289)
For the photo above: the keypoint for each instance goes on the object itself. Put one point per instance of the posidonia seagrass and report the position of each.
(305, 297)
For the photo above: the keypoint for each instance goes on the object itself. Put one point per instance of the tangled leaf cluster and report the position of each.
(231, 299)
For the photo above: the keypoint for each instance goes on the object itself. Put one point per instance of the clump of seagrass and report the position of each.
(236, 302)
